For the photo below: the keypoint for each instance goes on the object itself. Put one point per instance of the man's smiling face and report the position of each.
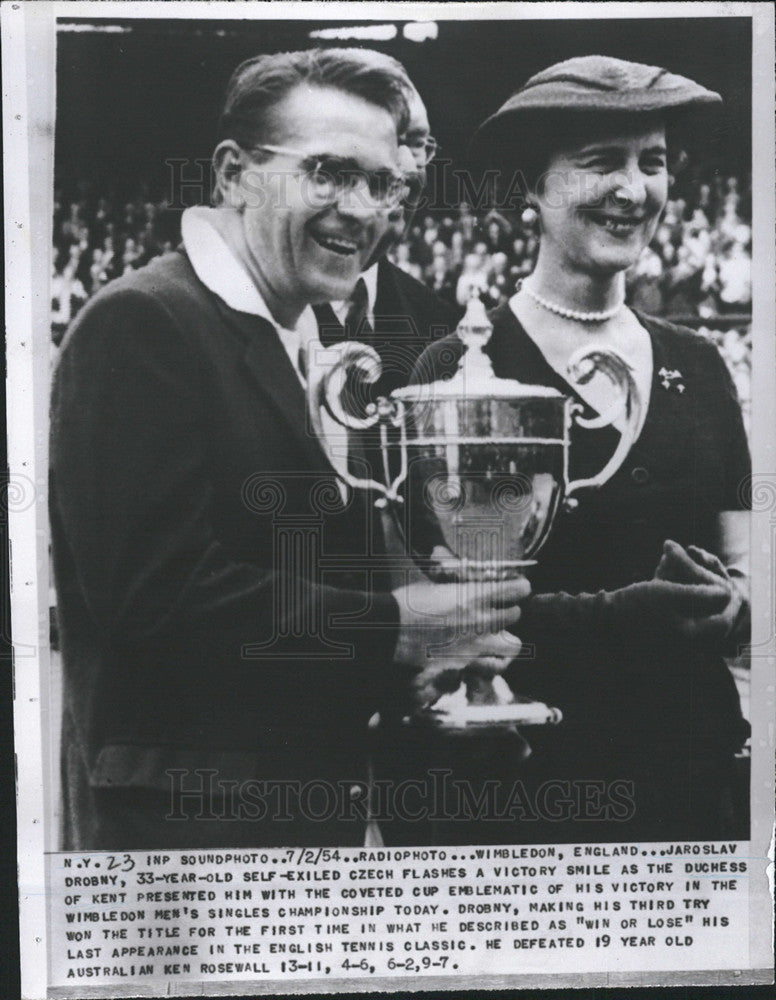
(309, 246)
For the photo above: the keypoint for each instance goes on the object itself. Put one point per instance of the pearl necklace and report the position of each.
(580, 317)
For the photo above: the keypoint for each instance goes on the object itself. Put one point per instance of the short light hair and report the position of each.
(259, 84)
(382, 61)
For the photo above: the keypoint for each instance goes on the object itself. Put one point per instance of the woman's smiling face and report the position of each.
(600, 201)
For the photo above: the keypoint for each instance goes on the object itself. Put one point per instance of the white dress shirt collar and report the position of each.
(219, 270)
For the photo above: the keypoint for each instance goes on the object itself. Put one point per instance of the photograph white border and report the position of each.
(29, 48)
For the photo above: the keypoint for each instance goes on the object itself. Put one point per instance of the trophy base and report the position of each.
(488, 708)
(469, 718)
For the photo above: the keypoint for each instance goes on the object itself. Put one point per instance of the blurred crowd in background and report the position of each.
(698, 267)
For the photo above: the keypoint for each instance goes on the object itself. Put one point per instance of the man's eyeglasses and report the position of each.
(426, 147)
(332, 177)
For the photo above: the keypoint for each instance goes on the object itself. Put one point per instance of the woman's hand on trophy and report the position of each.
(666, 608)
(693, 566)
(662, 610)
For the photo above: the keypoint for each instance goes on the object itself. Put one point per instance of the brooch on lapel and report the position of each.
(671, 379)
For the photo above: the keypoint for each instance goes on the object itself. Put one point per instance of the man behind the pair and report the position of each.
(390, 310)
(221, 629)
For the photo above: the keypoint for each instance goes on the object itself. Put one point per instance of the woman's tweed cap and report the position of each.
(590, 84)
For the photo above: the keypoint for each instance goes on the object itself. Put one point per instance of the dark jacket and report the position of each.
(214, 591)
(408, 318)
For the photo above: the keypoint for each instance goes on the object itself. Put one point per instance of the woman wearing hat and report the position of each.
(641, 590)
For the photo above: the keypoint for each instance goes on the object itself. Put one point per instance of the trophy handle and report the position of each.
(325, 385)
(582, 366)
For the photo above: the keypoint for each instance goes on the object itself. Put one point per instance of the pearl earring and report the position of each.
(529, 216)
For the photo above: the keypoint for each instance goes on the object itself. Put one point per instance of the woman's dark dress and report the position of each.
(642, 708)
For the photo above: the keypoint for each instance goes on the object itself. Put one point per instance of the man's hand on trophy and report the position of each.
(444, 674)
(463, 616)
(448, 627)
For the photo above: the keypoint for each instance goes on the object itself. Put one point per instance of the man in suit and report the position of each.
(224, 636)
(400, 316)
(390, 310)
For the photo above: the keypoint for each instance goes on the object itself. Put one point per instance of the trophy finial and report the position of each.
(474, 330)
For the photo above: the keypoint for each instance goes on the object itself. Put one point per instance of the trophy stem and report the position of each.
(474, 571)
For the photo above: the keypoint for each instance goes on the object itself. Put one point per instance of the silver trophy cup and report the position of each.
(482, 463)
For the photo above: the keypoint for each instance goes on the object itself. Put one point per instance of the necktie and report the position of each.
(330, 330)
(301, 361)
(357, 325)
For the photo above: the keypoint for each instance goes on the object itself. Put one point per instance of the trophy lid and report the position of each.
(475, 378)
